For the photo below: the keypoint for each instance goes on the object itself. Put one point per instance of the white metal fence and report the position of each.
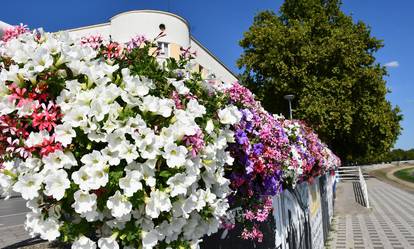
(364, 188)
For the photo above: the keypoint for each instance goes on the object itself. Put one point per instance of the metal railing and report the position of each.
(364, 188)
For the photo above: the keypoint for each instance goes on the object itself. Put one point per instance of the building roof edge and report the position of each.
(212, 55)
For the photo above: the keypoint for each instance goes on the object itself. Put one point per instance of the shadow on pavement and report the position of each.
(24, 243)
(359, 197)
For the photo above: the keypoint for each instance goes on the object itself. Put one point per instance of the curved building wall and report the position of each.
(147, 23)
(3, 25)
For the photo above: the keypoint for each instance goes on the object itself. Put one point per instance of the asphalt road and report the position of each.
(12, 212)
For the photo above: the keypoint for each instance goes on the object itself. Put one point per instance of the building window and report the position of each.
(163, 49)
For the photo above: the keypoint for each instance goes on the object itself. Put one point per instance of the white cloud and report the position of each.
(392, 64)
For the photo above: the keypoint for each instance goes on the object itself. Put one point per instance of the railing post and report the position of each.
(363, 187)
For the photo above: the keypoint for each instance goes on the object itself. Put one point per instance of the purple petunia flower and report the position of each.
(241, 137)
(258, 149)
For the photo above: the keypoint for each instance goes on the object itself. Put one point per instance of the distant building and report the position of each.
(3, 25)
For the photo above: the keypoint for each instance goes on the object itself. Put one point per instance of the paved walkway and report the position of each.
(389, 224)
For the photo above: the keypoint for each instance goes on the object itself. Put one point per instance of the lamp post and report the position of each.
(289, 98)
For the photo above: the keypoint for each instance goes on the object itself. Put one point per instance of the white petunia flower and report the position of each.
(119, 205)
(179, 183)
(49, 229)
(84, 99)
(36, 138)
(91, 177)
(133, 85)
(109, 93)
(82, 178)
(32, 164)
(32, 223)
(195, 109)
(94, 159)
(28, 185)
(204, 197)
(99, 109)
(108, 243)
(159, 202)
(111, 156)
(64, 134)
(146, 169)
(116, 140)
(150, 239)
(6, 184)
(84, 202)
(42, 60)
(65, 98)
(150, 104)
(128, 152)
(131, 183)
(167, 135)
(83, 243)
(77, 116)
(99, 176)
(56, 183)
(165, 107)
(185, 124)
(93, 215)
(6, 106)
(175, 155)
(209, 126)
(59, 159)
(148, 144)
(230, 115)
(180, 86)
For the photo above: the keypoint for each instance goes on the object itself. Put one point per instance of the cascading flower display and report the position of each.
(270, 153)
(310, 156)
(113, 148)
(108, 147)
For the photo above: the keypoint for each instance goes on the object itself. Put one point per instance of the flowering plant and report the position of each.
(113, 148)
(109, 147)
(270, 153)
(310, 155)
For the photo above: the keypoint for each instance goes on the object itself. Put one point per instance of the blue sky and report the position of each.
(219, 25)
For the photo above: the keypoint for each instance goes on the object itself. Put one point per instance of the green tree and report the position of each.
(315, 51)
(400, 155)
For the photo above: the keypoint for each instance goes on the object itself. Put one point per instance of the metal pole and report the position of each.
(289, 98)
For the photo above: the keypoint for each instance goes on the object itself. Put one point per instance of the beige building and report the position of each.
(149, 23)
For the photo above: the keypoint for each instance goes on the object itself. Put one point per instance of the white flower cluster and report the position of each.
(294, 170)
(117, 138)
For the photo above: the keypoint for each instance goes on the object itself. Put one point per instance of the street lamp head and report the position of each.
(289, 97)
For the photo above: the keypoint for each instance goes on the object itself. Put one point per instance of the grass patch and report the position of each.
(405, 174)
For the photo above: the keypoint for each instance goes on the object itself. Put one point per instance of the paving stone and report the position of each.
(390, 224)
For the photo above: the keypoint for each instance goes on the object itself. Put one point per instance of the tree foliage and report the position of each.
(400, 155)
(315, 51)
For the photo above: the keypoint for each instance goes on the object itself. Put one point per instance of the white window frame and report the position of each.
(163, 49)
